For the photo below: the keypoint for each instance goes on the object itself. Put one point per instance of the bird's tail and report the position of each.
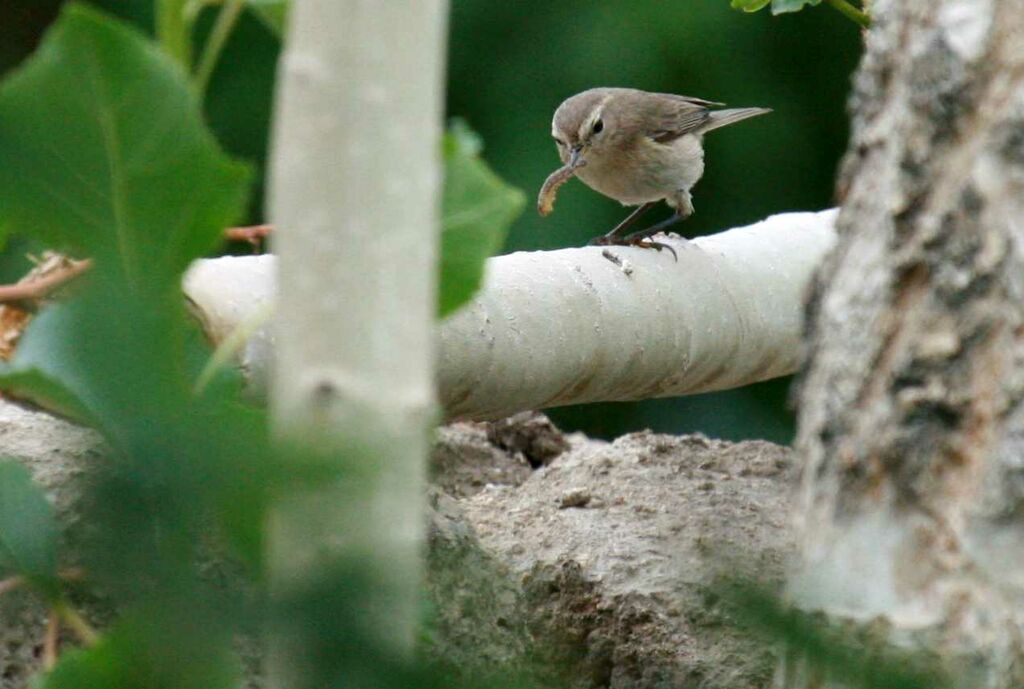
(720, 118)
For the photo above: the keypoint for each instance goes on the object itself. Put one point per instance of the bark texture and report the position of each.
(912, 423)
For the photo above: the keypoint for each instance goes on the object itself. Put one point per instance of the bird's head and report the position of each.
(583, 125)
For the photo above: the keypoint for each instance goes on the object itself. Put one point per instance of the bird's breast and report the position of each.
(645, 171)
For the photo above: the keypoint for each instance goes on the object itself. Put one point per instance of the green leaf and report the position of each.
(44, 369)
(478, 208)
(782, 6)
(28, 530)
(103, 151)
(151, 652)
(110, 357)
(47, 365)
(273, 13)
(749, 5)
(40, 388)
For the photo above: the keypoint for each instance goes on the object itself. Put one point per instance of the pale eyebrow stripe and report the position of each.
(598, 111)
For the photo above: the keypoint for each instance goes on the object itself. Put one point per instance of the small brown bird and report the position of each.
(637, 148)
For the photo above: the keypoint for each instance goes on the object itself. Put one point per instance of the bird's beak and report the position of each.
(576, 157)
(546, 198)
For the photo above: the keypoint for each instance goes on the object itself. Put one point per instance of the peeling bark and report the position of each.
(911, 416)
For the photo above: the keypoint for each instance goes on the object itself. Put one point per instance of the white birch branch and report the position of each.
(569, 326)
(356, 172)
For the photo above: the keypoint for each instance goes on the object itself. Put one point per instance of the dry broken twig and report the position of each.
(18, 301)
(47, 277)
(54, 271)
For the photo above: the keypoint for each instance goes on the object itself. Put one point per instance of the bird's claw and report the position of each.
(642, 242)
(651, 244)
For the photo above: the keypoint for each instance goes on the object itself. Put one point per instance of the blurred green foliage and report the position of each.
(476, 210)
(847, 654)
(28, 531)
(511, 64)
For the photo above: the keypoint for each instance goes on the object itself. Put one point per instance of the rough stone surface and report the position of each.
(479, 620)
(464, 461)
(530, 433)
(616, 546)
(590, 572)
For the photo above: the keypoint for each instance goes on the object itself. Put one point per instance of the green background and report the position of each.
(512, 63)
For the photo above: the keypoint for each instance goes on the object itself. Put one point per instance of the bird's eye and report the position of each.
(559, 141)
(598, 126)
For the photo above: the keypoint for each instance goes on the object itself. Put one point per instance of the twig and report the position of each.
(728, 314)
(39, 288)
(254, 234)
(50, 641)
(215, 43)
(174, 30)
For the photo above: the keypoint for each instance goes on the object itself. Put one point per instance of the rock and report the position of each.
(620, 594)
(464, 461)
(595, 570)
(477, 605)
(530, 433)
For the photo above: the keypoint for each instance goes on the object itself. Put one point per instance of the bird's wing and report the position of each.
(673, 116)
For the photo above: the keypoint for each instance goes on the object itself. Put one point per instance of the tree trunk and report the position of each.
(355, 197)
(911, 418)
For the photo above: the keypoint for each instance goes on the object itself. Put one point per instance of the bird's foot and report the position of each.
(638, 241)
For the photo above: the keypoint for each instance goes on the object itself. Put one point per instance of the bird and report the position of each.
(637, 147)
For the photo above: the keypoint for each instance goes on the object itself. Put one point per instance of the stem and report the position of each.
(50, 641)
(851, 12)
(173, 31)
(228, 349)
(77, 623)
(218, 38)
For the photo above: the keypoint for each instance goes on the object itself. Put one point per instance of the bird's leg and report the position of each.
(682, 203)
(641, 237)
(608, 237)
(635, 237)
